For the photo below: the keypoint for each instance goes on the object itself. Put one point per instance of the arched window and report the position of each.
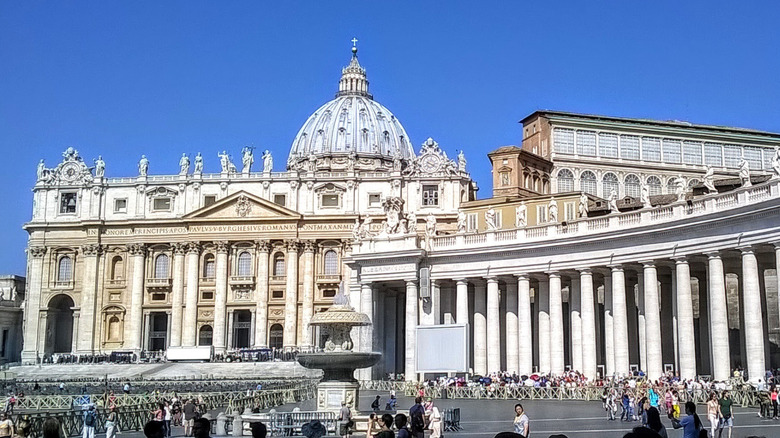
(654, 185)
(244, 264)
(633, 185)
(205, 335)
(161, 266)
(671, 185)
(209, 268)
(565, 181)
(588, 182)
(65, 269)
(279, 265)
(276, 336)
(117, 268)
(610, 183)
(693, 182)
(331, 262)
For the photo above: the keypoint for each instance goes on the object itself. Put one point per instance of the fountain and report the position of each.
(338, 362)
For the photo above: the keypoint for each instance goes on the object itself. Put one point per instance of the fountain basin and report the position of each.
(338, 365)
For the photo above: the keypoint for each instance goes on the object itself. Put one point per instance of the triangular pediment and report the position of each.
(243, 205)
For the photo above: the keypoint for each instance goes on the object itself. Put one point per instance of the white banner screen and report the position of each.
(443, 348)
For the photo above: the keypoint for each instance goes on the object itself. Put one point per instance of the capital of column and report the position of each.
(136, 249)
(461, 282)
(553, 274)
(309, 246)
(263, 246)
(92, 250)
(525, 277)
(776, 245)
(410, 282)
(193, 248)
(291, 245)
(36, 251)
(746, 249)
(179, 248)
(222, 246)
(712, 255)
(491, 279)
(680, 260)
(647, 263)
(616, 268)
(586, 271)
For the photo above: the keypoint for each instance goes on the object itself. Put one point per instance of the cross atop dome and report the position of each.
(353, 77)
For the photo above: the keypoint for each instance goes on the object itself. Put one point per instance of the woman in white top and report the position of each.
(521, 422)
(436, 421)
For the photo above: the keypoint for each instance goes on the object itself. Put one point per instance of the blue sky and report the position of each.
(123, 79)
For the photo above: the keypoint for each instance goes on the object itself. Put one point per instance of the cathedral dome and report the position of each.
(351, 125)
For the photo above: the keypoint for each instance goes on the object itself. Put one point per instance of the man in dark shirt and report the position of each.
(190, 412)
(417, 418)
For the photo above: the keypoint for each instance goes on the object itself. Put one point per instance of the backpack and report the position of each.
(89, 420)
(375, 404)
(418, 422)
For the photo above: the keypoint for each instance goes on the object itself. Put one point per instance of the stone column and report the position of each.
(308, 293)
(543, 305)
(556, 324)
(291, 295)
(512, 341)
(655, 367)
(639, 303)
(32, 309)
(608, 332)
(367, 307)
(410, 373)
(777, 271)
(220, 296)
(524, 323)
(167, 329)
(575, 327)
(620, 321)
(177, 296)
(147, 327)
(261, 295)
(753, 316)
(718, 314)
(493, 325)
(686, 344)
(190, 326)
(86, 326)
(462, 301)
(230, 324)
(589, 365)
(480, 330)
(75, 337)
(138, 254)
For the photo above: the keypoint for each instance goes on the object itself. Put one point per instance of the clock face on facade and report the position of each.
(70, 171)
(430, 163)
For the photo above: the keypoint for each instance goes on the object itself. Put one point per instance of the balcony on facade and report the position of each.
(63, 284)
(158, 284)
(208, 281)
(278, 279)
(116, 283)
(328, 278)
(242, 280)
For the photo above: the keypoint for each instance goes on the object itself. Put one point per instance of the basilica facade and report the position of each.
(608, 246)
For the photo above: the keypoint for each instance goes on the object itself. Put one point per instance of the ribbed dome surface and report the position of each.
(352, 123)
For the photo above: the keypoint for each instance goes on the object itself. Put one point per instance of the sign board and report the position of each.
(189, 353)
(442, 348)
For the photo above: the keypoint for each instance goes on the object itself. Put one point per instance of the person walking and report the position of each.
(90, 420)
(435, 420)
(7, 426)
(417, 418)
(691, 424)
(724, 410)
(375, 404)
(712, 413)
(167, 416)
(111, 422)
(345, 421)
(521, 422)
(190, 412)
(773, 396)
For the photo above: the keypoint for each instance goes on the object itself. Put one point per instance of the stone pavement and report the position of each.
(167, 370)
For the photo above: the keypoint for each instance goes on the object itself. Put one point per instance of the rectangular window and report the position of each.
(161, 204)
(68, 203)
(713, 154)
(541, 214)
(430, 195)
(499, 219)
(672, 151)
(586, 143)
(570, 211)
(471, 222)
(120, 205)
(278, 294)
(330, 201)
(209, 200)
(158, 297)
(563, 140)
(280, 200)
(753, 157)
(374, 200)
(732, 155)
(608, 145)
(629, 147)
(692, 152)
(651, 149)
(329, 293)
(207, 295)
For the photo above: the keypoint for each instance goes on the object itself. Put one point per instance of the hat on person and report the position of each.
(313, 429)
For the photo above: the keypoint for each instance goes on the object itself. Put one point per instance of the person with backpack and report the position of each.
(90, 420)
(375, 404)
(400, 424)
(417, 414)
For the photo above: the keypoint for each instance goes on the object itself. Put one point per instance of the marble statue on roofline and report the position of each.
(709, 180)
(184, 164)
(521, 215)
(143, 166)
(776, 163)
(744, 173)
(247, 158)
(198, 164)
(100, 167)
(268, 161)
(461, 222)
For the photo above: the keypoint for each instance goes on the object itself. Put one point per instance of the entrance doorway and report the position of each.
(276, 336)
(59, 325)
(242, 326)
(158, 331)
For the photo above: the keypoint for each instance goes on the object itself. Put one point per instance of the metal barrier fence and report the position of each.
(290, 423)
(743, 395)
(451, 419)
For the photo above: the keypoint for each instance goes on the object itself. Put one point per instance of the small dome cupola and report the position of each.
(353, 77)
